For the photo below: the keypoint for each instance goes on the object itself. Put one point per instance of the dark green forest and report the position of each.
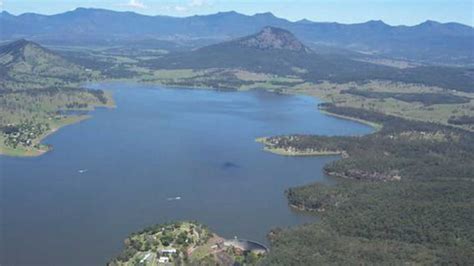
(461, 120)
(425, 215)
(408, 149)
(389, 223)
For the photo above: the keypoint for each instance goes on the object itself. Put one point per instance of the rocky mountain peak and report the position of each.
(271, 38)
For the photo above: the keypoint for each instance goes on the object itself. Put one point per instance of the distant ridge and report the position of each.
(277, 51)
(445, 43)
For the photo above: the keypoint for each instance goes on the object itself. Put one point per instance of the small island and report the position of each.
(186, 242)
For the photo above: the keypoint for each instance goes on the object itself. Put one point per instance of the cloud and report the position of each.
(190, 5)
(198, 3)
(134, 4)
(180, 8)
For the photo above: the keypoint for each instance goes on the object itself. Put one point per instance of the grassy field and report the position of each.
(437, 113)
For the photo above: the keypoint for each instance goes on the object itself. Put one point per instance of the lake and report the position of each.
(161, 155)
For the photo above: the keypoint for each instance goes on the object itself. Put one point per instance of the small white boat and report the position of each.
(174, 198)
(81, 171)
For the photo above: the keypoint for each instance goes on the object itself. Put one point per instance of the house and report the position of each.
(169, 251)
(163, 260)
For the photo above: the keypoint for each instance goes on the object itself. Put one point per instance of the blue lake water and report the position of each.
(156, 145)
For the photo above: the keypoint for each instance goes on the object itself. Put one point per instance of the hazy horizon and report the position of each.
(340, 11)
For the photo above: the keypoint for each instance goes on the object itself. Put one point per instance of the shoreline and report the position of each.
(170, 86)
(44, 148)
(375, 126)
(205, 245)
(28, 152)
(32, 152)
(284, 152)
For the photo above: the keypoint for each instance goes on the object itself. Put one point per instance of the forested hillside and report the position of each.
(404, 197)
(36, 85)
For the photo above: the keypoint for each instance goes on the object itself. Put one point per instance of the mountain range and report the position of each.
(271, 50)
(278, 51)
(428, 42)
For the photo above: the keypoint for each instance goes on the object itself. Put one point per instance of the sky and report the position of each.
(394, 12)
